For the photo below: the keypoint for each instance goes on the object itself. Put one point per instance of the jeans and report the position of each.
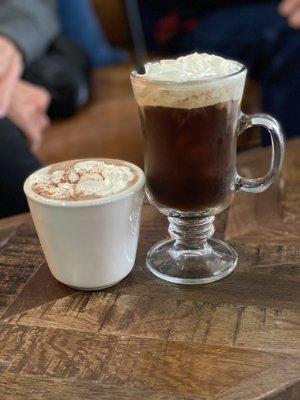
(16, 163)
(260, 38)
(80, 24)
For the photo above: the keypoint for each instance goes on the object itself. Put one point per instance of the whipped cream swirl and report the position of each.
(191, 67)
(83, 180)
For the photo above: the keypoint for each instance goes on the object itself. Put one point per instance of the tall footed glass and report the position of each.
(190, 134)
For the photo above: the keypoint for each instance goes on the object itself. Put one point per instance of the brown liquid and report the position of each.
(190, 155)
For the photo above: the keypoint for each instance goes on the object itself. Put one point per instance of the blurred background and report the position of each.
(65, 91)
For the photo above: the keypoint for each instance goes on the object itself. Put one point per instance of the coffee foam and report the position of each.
(189, 82)
(80, 180)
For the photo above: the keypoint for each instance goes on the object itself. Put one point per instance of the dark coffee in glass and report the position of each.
(190, 155)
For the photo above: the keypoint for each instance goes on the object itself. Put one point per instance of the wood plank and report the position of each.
(165, 366)
(281, 382)
(42, 288)
(19, 387)
(239, 288)
(253, 327)
(20, 257)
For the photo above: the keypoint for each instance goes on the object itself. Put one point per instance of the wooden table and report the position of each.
(237, 339)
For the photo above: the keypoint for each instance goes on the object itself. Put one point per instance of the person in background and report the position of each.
(264, 35)
(27, 29)
(46, 50)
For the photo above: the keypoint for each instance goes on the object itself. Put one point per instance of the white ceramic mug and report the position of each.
(89, 244)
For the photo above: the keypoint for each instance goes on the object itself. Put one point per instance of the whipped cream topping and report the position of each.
(186, 82)
(191, 67)
(83, 179)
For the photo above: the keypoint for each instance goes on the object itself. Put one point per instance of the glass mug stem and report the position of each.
(191, 233)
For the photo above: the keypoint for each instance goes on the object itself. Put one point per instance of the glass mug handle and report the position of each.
(257, 185)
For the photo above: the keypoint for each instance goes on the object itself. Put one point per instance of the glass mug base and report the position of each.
(214, 261)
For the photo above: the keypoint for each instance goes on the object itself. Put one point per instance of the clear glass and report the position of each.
(190, 134)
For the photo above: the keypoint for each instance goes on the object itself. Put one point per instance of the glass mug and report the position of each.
(190, 134)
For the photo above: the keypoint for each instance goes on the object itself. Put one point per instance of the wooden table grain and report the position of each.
(236, 339)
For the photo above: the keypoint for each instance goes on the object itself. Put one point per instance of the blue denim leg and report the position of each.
(81, 25)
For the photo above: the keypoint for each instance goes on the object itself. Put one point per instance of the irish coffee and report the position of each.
(189, 128)
(190, 114)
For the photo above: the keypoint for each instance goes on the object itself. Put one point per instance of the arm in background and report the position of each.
(30, 24)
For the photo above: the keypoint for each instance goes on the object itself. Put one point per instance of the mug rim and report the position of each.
(139, 77)
(138, 185)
